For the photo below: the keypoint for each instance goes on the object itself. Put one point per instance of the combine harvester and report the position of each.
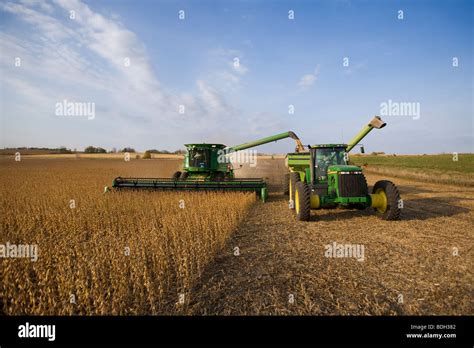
(207, 167)
(323, 178)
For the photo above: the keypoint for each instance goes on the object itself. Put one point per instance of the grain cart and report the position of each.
(207, 167)
(323, 178)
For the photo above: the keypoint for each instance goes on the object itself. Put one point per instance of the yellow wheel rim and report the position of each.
(297, 202)
(383, 207)
(291, 191)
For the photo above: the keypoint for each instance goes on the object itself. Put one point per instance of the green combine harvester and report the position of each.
(207, 167)
(323, 178)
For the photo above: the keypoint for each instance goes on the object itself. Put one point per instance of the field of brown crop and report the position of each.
(183, 261)
(114, 253)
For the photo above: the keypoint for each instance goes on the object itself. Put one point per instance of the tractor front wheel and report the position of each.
(294, 178)
(176, 175)
(390, 197)
(302, 201)
(183, 176)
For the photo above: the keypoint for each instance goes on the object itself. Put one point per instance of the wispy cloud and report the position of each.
(93, 57)
(351, 69)
(308, 80)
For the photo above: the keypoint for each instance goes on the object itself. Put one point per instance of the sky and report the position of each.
(159, 74)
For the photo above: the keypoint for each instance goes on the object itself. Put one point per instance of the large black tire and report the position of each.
(183, 176)
(286, 184)
(176, 175)
(302, 201)
(294, 178)
(393, 198)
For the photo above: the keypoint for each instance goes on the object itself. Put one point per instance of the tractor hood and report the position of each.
(343, 168)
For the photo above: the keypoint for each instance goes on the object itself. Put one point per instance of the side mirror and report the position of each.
(362, 150)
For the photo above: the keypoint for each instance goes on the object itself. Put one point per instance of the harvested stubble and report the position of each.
(118, 253)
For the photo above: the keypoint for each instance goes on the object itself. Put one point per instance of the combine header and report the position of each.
(207, 167)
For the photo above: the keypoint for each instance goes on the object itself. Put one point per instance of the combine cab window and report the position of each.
(199, 158)
(326, 157)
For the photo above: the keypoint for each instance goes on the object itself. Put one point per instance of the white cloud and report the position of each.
(83, 59)
(228, 68)
(355, 68)
(309, 79)
(239, 68)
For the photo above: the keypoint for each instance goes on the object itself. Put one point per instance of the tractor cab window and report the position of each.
(326, 157)
(199, 158)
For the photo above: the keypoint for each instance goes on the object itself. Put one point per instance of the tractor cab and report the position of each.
(331, 176)
(325, 156)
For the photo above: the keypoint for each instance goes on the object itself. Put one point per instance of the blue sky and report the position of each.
(282, 62)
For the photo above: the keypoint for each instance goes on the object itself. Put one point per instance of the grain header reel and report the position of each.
(323, 178)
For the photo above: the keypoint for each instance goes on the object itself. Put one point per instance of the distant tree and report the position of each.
(90, 149)
(62, 149)
(128, 149)
(93, 149)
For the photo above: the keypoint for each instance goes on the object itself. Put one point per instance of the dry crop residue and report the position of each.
(410, 266)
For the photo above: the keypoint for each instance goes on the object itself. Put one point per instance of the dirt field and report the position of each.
(280, 257)
(409, 267)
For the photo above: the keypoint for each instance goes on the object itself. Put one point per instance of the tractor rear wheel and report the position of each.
(391, 210)
(183, 176)
(302, 201)
(294, 178)
(286, 184)
(176, 175)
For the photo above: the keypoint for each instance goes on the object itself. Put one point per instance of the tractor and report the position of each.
(323, 178)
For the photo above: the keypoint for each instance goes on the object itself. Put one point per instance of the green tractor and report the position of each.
(208, 167)
(323, 178)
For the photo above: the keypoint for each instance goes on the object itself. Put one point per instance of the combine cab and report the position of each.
(207, 167)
